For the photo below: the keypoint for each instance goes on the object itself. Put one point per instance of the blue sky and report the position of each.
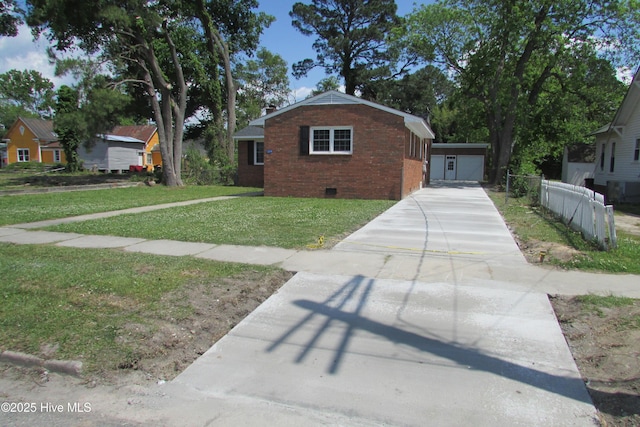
(282, 38)
(22, 52)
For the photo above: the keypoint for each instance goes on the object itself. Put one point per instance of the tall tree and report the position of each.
(263, 81)
(68, 124)
(230, 27)
(9, 18)
(130, 32)
(504, 52)
(325, 85)
(25, 93)
(350, 38)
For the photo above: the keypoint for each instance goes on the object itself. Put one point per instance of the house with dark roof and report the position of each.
(617, 165)
(335, 145)
(124, 148)
(32, 140)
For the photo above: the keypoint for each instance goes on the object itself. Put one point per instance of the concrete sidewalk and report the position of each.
(427, 315)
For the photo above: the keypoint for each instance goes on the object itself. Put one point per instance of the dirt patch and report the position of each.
(54, 179)
(628, 223)
(189, 321)
(538, 252)
(605, 343)
(186, 324)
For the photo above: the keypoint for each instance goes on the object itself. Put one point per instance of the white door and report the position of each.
(437, 167)
(450, 168)
(140, 158)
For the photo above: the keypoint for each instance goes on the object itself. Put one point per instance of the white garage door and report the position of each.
(437, 167)
(470, 168)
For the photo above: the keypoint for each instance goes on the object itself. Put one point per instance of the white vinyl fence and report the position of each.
(582, 209)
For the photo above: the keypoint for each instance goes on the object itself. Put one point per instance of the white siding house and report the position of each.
(112, 153)
(617, 168)
(578, 164)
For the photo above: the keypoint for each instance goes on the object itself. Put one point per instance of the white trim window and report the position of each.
(23, 154)
(258, 153)
(636, 151)
(56, 156)
(331, 140)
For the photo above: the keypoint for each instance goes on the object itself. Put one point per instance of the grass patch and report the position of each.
(601, 304)
(623, 259)
(254, 221)
(63, 296)
(534, 223)
(37, 207)
(609, 301)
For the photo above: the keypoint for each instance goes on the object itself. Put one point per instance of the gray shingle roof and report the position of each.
(250, 132)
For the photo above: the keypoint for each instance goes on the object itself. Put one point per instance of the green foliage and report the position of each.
(325, 85)
(197, 170)
(25, 93)
(263, 82)
(419, 93)
(350, 38)
(70, 126)
(9, 18)
(519, 59)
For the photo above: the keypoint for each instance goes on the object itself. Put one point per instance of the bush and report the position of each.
(196, 169)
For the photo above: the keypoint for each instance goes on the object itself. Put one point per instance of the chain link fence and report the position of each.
(528, 186)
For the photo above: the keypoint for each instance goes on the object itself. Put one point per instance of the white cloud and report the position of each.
(625, 75)
(300, 94)
(24, 53)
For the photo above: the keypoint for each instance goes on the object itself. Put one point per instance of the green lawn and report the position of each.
(81, 300)
(533, 223)
(253, 221)
(37, 207)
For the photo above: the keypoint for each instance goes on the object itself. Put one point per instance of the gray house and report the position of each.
(113, 153)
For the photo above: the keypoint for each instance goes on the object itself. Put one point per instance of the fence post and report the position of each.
(506, 194)
(613, 238)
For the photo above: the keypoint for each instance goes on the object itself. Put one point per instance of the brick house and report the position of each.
(335, 145)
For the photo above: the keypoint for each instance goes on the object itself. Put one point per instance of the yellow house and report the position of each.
(32, 140)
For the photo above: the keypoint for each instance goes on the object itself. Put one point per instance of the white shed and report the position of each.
(457, 162)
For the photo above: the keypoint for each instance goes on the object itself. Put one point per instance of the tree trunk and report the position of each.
(215, 44)
(168, 114)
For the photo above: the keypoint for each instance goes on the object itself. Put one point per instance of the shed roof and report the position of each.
(416, 124)
(119, 138)
(141, 133)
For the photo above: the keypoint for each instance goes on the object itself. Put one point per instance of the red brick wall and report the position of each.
(373, 171)
(248, 175)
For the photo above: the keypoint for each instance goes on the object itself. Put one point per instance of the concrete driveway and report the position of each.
(447, 219)
(331, 349)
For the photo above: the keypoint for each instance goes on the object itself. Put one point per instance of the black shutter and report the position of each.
(250, 151)
(304, 140)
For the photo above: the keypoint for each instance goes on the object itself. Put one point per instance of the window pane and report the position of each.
(259, 152)
(342, 140)
(321, 140)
